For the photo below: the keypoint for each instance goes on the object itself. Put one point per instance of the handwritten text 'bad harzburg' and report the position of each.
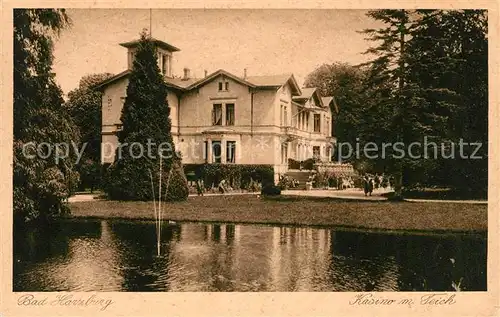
(64, 300)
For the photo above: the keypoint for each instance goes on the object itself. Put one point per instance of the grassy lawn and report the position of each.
(88, 192)
(444, 194)
(301, 211)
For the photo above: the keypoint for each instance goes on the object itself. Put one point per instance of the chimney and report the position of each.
(245, 73)
(206, 73)
(186, 73)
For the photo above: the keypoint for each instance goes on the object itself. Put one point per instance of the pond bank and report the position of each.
(306, 211)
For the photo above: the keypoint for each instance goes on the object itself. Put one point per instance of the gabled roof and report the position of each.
(181, 83)
(328, 100)
(192, 83)
(308, 93)
(216, 74)
(158, 43)
(111, 80)
(335, 104)
(275, 81)
(176, 83)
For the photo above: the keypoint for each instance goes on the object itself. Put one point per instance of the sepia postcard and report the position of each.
(249, 158)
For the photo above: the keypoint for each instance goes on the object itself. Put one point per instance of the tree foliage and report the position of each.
(346, 83)
(84, 106)
(41, 182)
(427, 79)
(450, 54)
(146, 123)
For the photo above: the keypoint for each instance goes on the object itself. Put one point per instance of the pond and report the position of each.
(118, 255)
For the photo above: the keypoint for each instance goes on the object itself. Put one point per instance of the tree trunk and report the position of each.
(398, 184)
(398, 174)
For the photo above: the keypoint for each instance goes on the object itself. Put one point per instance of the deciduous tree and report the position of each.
(41, 180)
(84, 106)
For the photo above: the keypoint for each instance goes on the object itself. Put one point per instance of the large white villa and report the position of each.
(228, 119)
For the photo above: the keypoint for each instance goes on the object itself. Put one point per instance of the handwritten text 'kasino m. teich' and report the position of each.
(435, 299)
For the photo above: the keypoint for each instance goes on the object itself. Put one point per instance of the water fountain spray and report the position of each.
(159, 208)
(154, 203)
(158, 211)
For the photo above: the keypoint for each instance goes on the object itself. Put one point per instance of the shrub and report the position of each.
(270, 190)
(129, 181)
(331, 181)
(259, 173)
(74, 181)
(319, 180)
(308, 164)
(90, 175)
(106, 176)
(293, 164)
(125, 181)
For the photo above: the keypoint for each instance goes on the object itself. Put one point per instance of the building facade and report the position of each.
(227, 119)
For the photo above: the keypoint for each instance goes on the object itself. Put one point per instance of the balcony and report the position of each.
(289, 130)
(291, 133)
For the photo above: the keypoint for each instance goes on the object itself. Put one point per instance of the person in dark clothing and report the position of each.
(366, 185)
(370, 186)
(199, 187)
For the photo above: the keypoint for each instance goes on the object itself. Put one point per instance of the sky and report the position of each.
(265, 42)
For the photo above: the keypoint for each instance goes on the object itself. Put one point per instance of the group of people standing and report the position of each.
(370, 183)
(222, 188)
(344, 182)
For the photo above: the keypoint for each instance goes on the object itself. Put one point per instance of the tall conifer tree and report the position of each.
(147, 125)
(408, 110)
(388, 113)
(450, 65)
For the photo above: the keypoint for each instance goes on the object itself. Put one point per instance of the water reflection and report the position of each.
(121, 256)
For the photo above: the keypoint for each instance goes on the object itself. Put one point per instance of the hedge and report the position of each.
(238, 176)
